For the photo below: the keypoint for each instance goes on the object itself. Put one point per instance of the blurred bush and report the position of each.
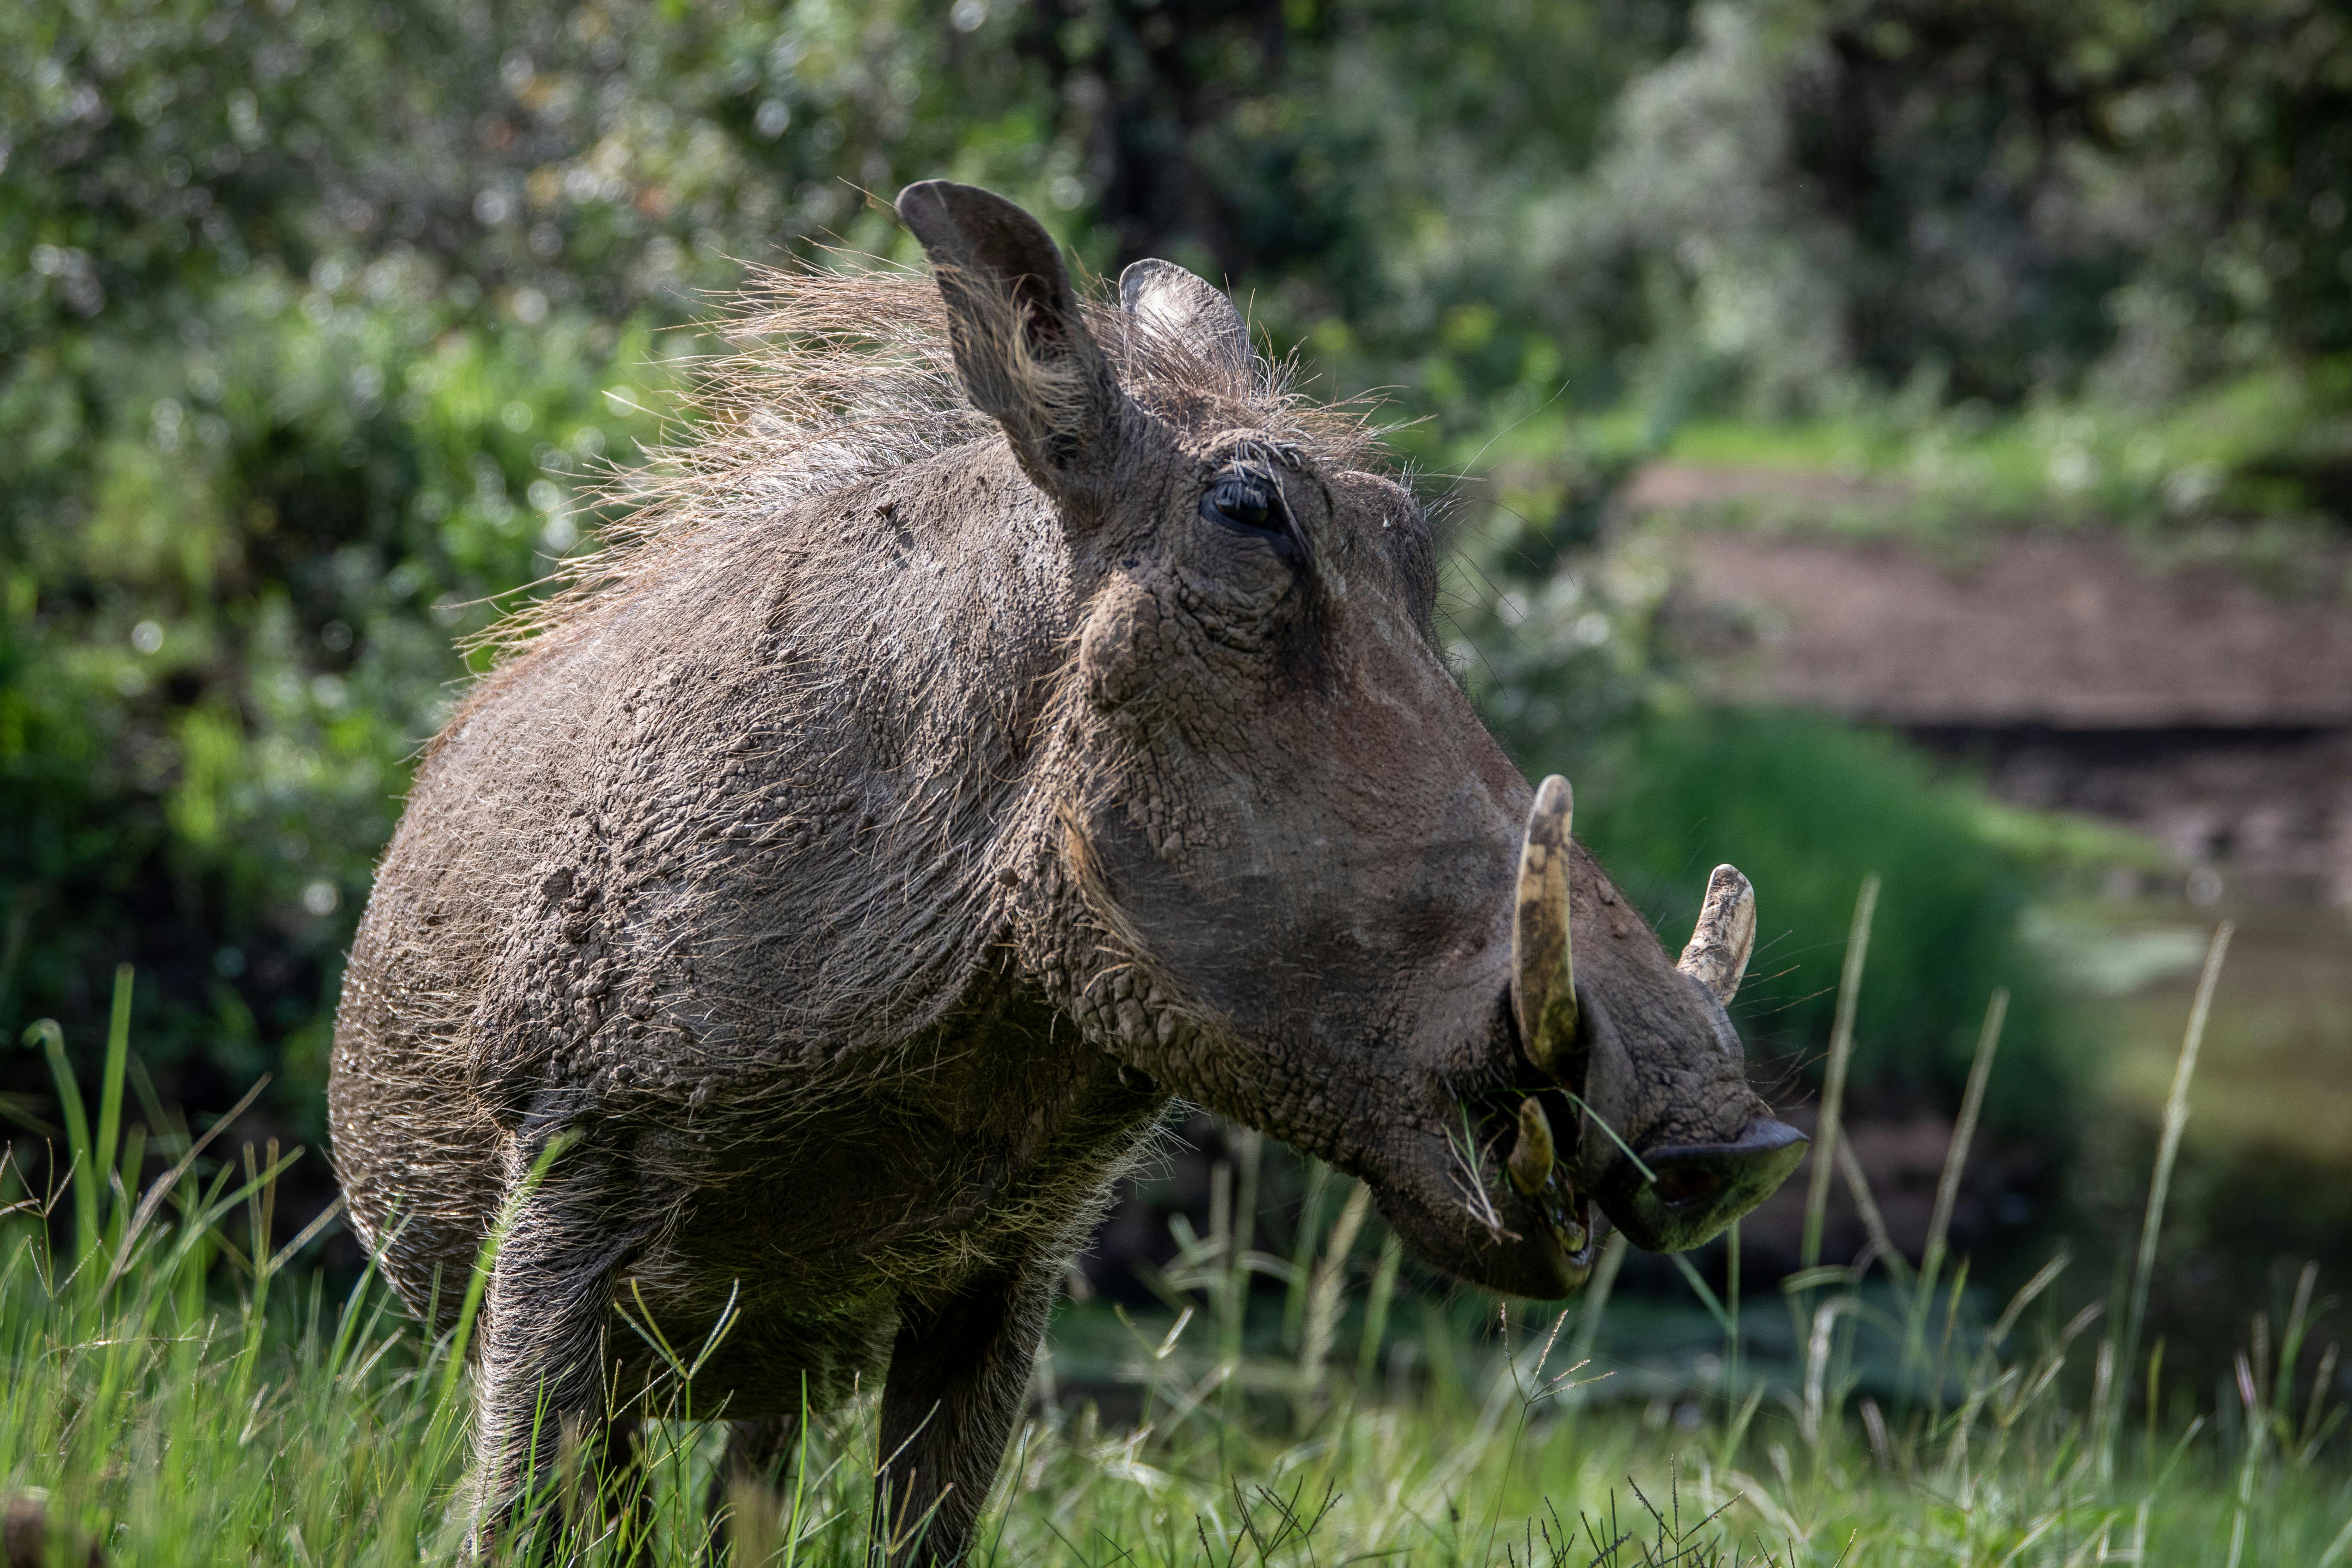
(1997, 198)
(229, 626)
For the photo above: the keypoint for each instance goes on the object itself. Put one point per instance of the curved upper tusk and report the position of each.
(1532, 1152)
(1725, 936)
(1543, 970)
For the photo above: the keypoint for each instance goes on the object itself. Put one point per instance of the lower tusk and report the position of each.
(1529, 1166)
(1726, 935)
(1543, 970)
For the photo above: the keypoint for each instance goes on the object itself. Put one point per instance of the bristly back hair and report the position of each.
(833, 375)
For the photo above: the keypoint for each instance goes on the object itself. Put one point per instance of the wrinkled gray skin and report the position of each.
(856, 891)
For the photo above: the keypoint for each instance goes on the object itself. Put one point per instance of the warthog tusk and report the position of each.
(1725, 936)
(1529, 1166)
(1543, 970)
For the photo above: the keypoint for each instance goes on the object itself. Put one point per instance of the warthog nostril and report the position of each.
(1699, 1188)
(1683, 1185)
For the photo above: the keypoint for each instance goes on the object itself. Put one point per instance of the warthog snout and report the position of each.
(1628, 1108)
(1692, 1192)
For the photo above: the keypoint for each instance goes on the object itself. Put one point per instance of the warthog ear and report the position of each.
(1021, 345)
(1166, 300)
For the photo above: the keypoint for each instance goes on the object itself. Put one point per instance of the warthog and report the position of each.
(1016, 711)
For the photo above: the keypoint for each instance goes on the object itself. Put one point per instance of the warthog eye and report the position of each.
(1251, 502)
(1239, 503)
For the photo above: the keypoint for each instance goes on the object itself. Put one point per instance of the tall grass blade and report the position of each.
(1614, 1136)
(1302, 1252)
(2338, 1548)
(193, 1239)
(1731, 1267)
(2043, 1277)
(2176, 1120)
(1947, 1185)
(2258, 1430)
(110, 1088)
(1825, 1133)
(1323, 1301)
(1707, 1295)
(1817, 1360)
(85, 1175)
(1249, 1148)
(1964, 1130)
(1874, 1223)
(1376, 1308)
(2298, 1324)
(1596, 1296)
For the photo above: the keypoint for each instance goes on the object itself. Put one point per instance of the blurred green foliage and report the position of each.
(320, 320)
(1997, 199)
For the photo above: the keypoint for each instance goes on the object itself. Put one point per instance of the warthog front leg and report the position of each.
(959, 1373)
(549, 1297)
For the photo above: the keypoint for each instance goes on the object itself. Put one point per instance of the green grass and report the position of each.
(185, 1393)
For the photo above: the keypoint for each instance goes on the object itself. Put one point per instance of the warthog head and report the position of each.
(1292, 877)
